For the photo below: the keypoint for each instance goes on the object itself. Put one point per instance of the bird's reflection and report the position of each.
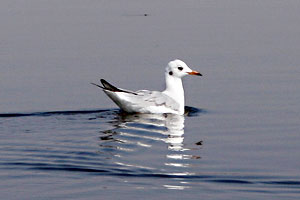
(135, 142)
(168, 128)
(171, 126)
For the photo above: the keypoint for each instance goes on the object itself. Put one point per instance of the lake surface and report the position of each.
(63, 138)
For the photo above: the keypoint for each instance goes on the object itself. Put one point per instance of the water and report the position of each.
(61, 137)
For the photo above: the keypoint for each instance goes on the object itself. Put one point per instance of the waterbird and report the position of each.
(171, 100)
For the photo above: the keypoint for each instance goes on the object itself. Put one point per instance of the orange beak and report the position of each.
(194, 73)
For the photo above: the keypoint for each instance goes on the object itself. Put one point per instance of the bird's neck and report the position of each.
(175, 90)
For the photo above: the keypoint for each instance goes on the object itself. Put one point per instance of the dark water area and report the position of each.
(62, 138)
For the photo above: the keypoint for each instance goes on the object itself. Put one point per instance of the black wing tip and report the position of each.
(103, 81)
(106, 83)
(97, 85)
(108, 86)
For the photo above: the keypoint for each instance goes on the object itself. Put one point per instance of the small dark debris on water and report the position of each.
(199, 143)
(146, 14)
(196, 157)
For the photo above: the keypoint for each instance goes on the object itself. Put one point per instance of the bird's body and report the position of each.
(171, 100)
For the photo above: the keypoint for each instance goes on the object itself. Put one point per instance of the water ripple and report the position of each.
(111, 143)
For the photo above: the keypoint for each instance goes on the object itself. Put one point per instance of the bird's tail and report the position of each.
(110, 87)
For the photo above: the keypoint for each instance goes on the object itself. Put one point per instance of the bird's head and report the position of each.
(179, 69)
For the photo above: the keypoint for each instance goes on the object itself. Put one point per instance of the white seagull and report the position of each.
(171, 100)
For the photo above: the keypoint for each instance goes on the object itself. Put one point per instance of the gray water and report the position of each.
(61, 137)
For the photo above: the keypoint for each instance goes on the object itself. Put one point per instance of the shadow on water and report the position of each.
(189, 111)
(51, 113)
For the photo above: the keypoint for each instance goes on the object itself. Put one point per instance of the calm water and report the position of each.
(61, 137)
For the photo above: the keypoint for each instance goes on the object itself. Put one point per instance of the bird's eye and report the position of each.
(180, 68)
(171, 73)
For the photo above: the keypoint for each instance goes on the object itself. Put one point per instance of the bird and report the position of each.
(171, 100)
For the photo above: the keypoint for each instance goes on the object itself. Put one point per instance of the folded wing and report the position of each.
(143, 101)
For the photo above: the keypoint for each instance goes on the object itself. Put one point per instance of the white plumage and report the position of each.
(171, 100)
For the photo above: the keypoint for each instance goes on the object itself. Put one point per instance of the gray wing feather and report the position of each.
(156, 98)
